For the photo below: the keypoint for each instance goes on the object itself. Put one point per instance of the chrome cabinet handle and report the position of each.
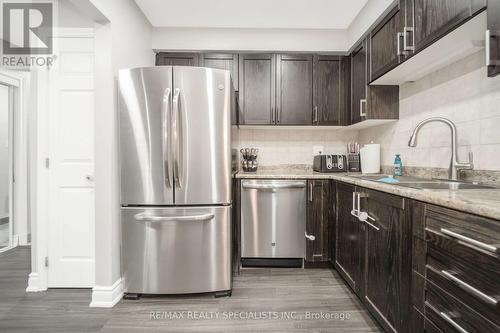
(166, 137)
(407, 47)
(465, 239)
(315, 114)
(310, 237)
(469, 288)
(487, 47)
(89, 178)
(144, 217)
(177, 139)
(399, 35)
(354, 211)
(310, 192)
(272, 115)
(361, 103)
(452, 322)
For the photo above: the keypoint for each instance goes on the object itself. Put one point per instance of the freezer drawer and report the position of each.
(176, 250)
(273, 218)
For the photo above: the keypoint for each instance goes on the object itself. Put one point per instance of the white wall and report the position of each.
(308, 40)
(4, 151)
(461, 92)
(280, 146)
(295, 40)
(123, 42)
(371, 12)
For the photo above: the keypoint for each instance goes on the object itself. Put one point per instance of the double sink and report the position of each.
(428, 184)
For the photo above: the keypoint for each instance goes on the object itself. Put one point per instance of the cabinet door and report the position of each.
(177, 59)
(358, 84)
(493, 56)
(317, 220)
(330, 87)
(386, 44)
(387, 259)
(294, 90)
(257, 89)
(227, 61)
(347, 238)
(434, 18)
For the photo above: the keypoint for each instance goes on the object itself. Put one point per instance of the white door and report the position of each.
(71, 164)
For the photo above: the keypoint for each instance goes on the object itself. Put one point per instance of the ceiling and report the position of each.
(281, 14)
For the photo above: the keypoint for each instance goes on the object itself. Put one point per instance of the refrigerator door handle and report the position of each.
(177, 139)
(167, 171)
(144, 217)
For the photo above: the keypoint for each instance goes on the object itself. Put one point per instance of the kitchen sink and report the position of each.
(428, 184)
(440, 185)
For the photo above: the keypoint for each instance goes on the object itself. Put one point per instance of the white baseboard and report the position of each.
(34, 283)
(107, 296)
(23, 239)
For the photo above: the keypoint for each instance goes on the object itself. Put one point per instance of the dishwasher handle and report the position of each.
(270, 186)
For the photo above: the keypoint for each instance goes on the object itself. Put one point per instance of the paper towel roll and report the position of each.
(370, 158)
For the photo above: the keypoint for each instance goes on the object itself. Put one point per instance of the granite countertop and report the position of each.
(478, 201)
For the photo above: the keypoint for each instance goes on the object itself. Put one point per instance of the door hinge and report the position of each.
(46, 261)
(47, 163)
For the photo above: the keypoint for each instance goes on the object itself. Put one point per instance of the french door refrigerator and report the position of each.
(175, 156)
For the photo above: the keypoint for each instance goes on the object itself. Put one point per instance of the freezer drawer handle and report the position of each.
(273, 186)
(143, 217)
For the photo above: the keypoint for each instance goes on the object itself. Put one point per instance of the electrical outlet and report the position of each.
(317, 150)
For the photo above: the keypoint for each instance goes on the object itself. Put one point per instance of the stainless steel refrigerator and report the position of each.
(175, 156)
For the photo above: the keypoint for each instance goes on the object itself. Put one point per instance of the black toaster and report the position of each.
(330, 163)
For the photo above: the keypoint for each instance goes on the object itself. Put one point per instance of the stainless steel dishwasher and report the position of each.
(273, 219)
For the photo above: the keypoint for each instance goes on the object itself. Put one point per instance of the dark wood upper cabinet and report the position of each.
(370, 101)
(348, 239)
(386, 43)
(257, 89)
(433, 19)
(493, 41)
(358, 83)
(331, 90)
(177, 59)
(387, 249)
(294, 89)
(227, 61)
(319, 212)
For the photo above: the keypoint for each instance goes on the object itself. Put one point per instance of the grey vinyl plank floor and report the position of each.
(277, 292)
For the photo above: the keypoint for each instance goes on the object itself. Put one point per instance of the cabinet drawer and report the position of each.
(466, 283)
(480, 267)
(473, 231)
(450, 315)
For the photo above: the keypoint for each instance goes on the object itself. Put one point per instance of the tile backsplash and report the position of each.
(461, 92)
(278, 146)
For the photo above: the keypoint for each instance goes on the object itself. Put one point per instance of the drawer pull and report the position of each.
(470, 288)
(452, 322)
(484, 246)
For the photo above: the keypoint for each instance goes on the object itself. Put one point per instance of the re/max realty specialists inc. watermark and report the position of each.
(27, 33)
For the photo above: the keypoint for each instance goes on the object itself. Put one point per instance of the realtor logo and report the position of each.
(27, 28)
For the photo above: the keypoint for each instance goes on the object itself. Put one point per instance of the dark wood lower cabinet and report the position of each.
(387, 250)
(348, 238)
(318, 216)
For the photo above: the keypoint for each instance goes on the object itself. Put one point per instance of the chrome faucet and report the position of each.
(455, 166)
